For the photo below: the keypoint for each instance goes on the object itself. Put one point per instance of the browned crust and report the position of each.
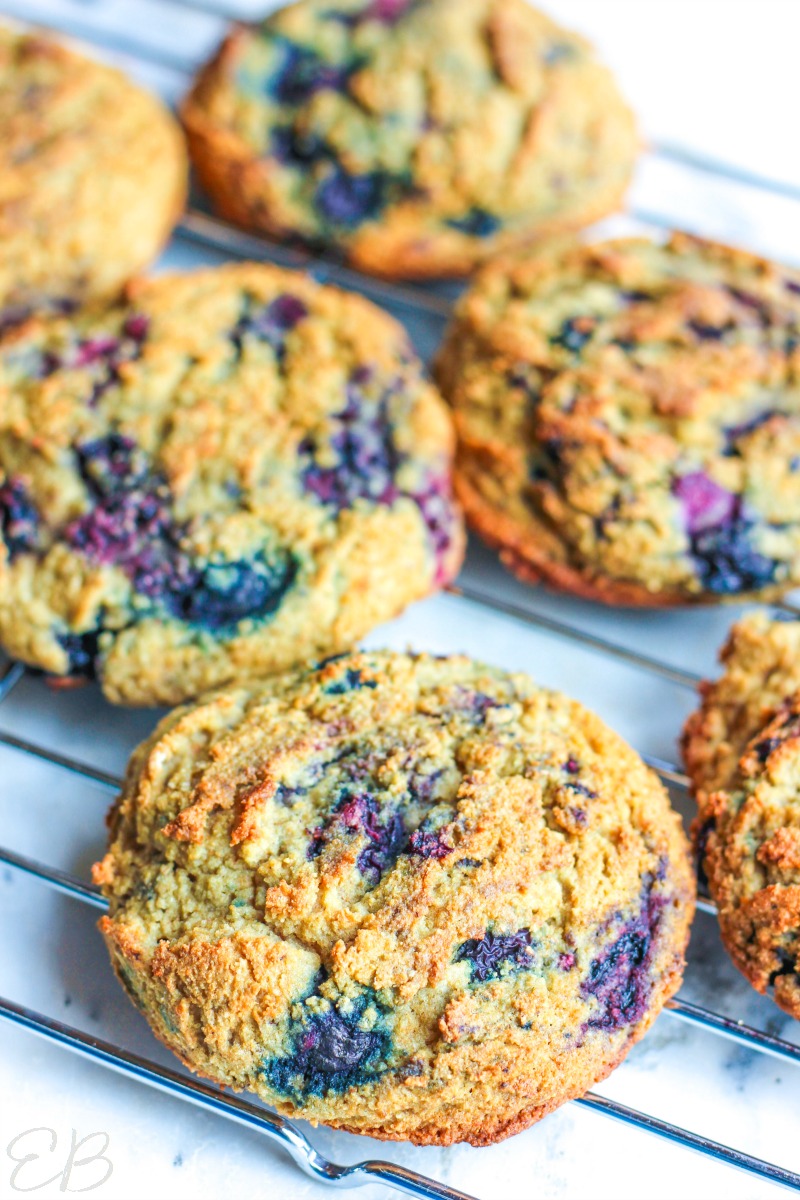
(527, 559)
(529, 562)
(751, 918)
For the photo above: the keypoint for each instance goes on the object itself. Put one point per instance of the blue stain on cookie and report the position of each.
(269, 323)
(380, 828)
(351, 680)
(334, 1049)
(301, 72)
(496, 954)
(130, 525)
(574, 333)
(619, 979)
(218, 596)
(82, 651)
(347, 201)
(19, 519)
(478, 222)
(720, 531)
(363, 449)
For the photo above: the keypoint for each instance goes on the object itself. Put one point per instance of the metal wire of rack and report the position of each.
(211, 233)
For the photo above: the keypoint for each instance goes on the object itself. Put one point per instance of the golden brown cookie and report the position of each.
(418, 137)
(226, 473)
(628, 415)
(92, 176)
(742, 751)
(412, 897)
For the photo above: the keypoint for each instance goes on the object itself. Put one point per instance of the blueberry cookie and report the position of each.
(629, 419)
(92, 176)
(742, 752)
(224, 474)
(416, 136)
(412, 897)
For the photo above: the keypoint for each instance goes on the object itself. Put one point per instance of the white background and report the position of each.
(718, 77)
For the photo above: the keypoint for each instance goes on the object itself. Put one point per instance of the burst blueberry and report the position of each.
(619, 977)
(495, 954)
(19, 518)
(381, 826)
(269, 323)
(332, 1052)
(82, 650)
(476, 223)
(348, 200)
(218, 596)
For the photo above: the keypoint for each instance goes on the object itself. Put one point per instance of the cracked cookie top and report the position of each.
(414, 897)
(225, 473)
(629, 419)
(742, 752)
(418, 137)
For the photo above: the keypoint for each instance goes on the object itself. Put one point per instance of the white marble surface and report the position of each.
(714, 76)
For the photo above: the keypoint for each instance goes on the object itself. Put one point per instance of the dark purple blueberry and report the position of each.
(566, 961)
(269, 323)
(295, 148)
(735, 433)
(130, 530)
(756, 304)
(619, 977)
(635, 296)
(704, 833)
(301, 72)
(792, 285)
(348, 200)
(707, 333)
(474, 704)
(352, 680)
(14, 315)
(19, 518)
(82, 652)
(436, 506)
(365, 452)
(572, 766)
(489, 955)
(468, 862)
(574, 334)
(581, 789)
(476, 223)
(788, 965)
(136, 327)
(110, 465)
(331, 1053)
(706, 505)
(220, 595)
(382, 827)
(425, 843)
(725, 559)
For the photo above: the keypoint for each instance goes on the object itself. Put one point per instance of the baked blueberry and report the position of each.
(219, 475)
(629, 419)
(358, 894)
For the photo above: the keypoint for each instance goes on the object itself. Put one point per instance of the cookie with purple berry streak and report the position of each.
(93, 175)
(413, 897)
(628, 416)
(343, 123)
(742, 753)
(223, 474)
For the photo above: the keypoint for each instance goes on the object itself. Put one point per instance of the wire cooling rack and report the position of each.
(431, 308)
